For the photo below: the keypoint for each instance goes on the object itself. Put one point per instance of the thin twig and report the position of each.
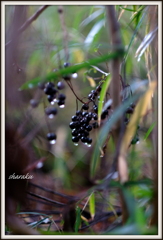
(47, 199)
(65, 32)
(50, 191)
(74, 92)
(29, 21)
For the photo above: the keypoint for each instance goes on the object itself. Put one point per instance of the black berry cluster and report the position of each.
(53, 96)
(85, 120)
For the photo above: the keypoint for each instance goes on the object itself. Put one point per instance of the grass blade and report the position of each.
(149, 131)
(55, 75)
(78, 219)
(106, 129)
(92, 205)
(105, 86)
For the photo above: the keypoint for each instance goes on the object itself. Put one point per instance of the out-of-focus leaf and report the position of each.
(135, 17)
(134, 35)
(98, 69)
(104, 89)
(106, 129)
(140, 110)
(149, 130)
(78, 55)
(92, 205)
(133, 229)
(145, 43)
(127, 9)
(95, 29)
(37, 223)
(78, 219)
(53, 76)
(91, 81)
(136, 214)
(91, 17)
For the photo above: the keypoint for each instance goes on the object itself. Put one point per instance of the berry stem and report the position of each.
(48, 125)
(69, 84)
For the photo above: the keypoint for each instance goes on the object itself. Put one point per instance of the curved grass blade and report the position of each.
(92, 205)
(140, 110)
(91, 17)
(35, 224)
(53, 76)
(105, 86)
(78, 219)
(95, 29)
(149, 131)
(133, 36)
(107, 128)
(117, 114)
(145, 43)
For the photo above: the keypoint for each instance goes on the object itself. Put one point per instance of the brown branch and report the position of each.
(115, 89)
(114, 32)
(29, 21)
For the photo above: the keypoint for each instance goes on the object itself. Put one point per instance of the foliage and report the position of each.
(79, 36)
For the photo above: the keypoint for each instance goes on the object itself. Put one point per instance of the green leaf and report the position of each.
(107, 128)
(53, 76)
(91, 17)
(78, 219)
(149, 131)
(136, 214)
(104, 89)
(92, 205)
(134, 35)
(95, 29)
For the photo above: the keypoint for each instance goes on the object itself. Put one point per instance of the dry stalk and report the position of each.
(152, 61)
(115, 88)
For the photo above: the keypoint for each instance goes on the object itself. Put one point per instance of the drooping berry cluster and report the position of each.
(53, 96)
(85, 120)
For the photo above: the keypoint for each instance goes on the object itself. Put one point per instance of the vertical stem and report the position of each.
(65, 33)
(115, 89)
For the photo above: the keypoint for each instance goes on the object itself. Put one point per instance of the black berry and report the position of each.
(78, 113)
(61, 96)
(51, 97)
(88, 128)
(85, 107)
(51, 136)
(89, 140)
(74, 118)
(34, 103)
(72, 125)
(75, 139)
(67, 64)
(51, 110)
(60, 85)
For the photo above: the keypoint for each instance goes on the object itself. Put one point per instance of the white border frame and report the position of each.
(3, 4)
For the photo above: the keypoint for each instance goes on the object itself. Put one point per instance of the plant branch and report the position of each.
(65, 33)
(29, 21)
(115, 89)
